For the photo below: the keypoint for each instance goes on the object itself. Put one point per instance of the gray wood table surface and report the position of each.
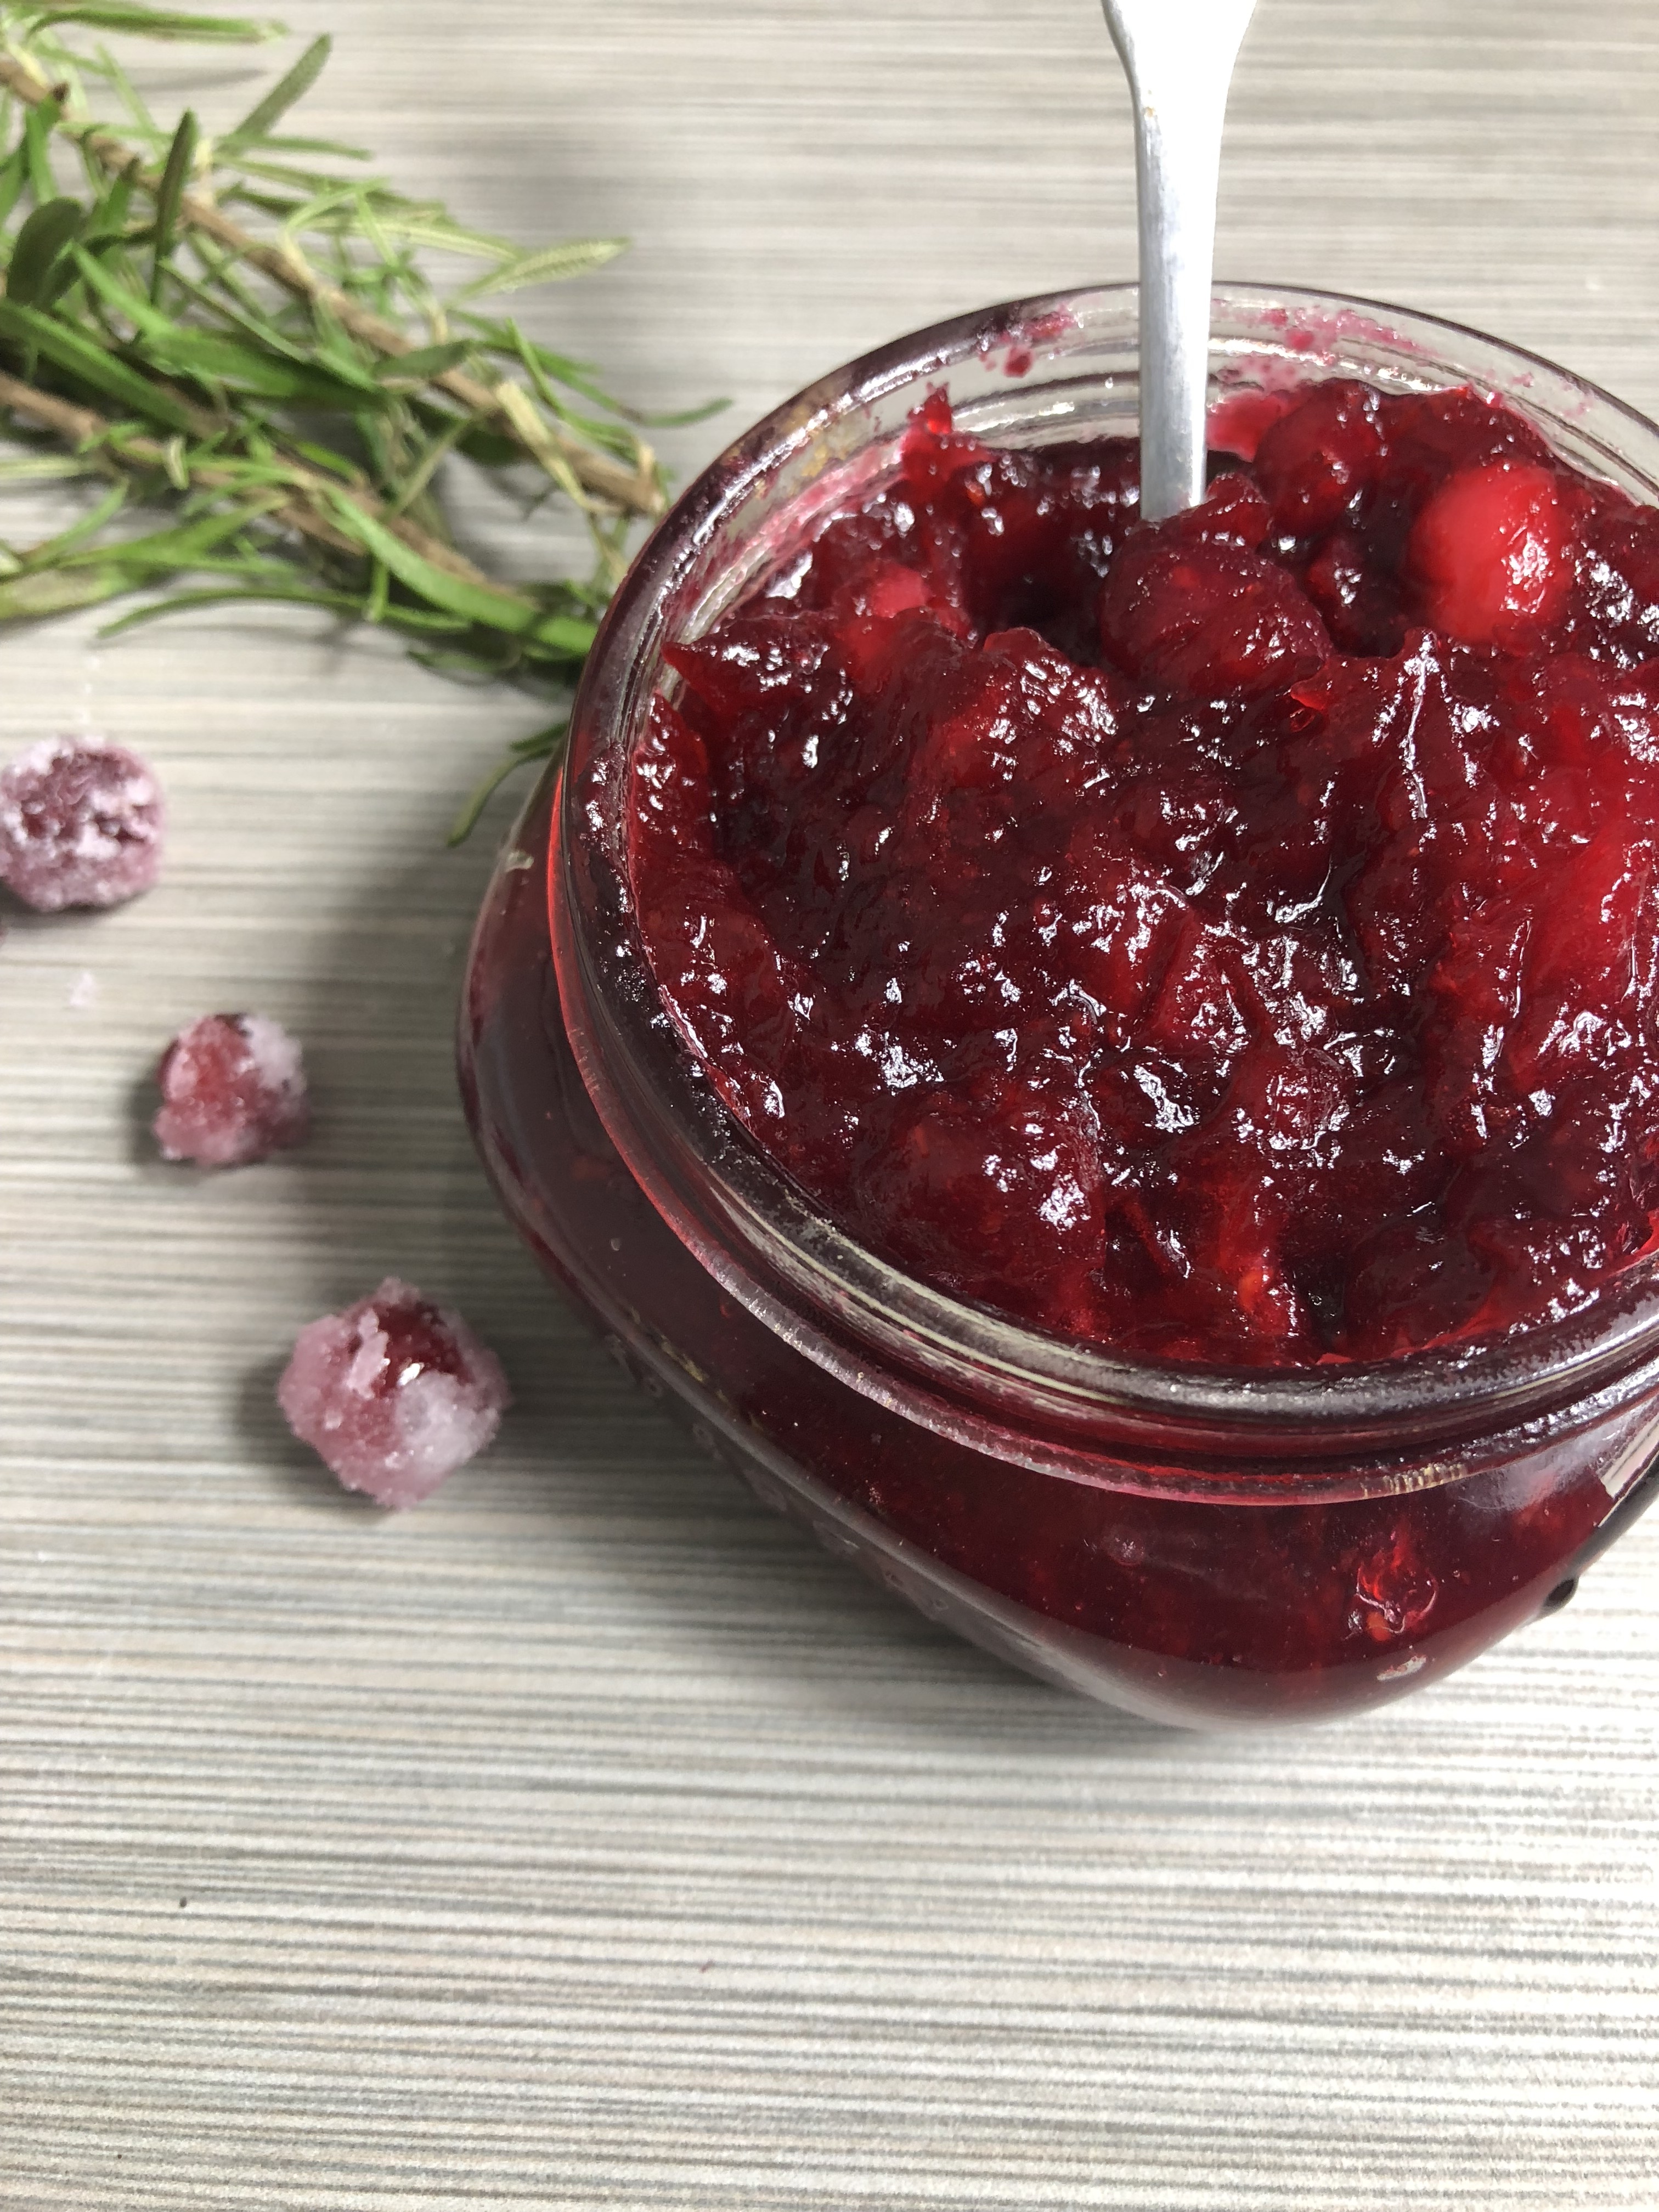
(586, 1838)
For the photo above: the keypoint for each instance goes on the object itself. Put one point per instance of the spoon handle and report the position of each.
(1178, 55)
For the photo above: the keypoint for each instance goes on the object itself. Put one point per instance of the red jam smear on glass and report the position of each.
(1232, 939)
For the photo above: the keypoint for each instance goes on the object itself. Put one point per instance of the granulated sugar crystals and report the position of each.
(232, 1090)
(81, 825)
(394, 1394)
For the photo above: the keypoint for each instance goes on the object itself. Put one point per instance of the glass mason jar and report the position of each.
(1197, 1544)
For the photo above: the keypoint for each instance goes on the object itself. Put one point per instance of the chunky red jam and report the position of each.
(1233, 939)
(1175, 1604)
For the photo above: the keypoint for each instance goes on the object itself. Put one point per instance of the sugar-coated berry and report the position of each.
(394, 1394)
(232, 1090)
(81, 825)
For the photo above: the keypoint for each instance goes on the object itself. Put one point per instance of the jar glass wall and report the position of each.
(1196, 1544)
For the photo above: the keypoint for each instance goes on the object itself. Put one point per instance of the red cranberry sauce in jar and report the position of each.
(1232, 940)
(1181, 1607)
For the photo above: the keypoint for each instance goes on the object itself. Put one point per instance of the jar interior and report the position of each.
(1035, 373)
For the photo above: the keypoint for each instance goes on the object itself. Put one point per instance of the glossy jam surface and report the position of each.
(1235, 939)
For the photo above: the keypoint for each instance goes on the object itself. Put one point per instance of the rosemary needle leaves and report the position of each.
(241, 331)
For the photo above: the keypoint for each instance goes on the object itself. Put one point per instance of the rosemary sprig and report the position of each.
(242, 330)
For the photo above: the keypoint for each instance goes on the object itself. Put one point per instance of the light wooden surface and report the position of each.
(586, 1838)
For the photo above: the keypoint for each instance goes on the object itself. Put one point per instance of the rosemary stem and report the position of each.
(268, 407)
(78, 426)
(504, 405)
(303, 509)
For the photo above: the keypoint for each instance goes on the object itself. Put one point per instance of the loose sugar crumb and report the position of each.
(81, 825)
(233, 1090)
(83, 991)
(394, 1394)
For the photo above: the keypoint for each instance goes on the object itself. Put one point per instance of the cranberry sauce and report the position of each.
(1178, 1607)
(1235, 939)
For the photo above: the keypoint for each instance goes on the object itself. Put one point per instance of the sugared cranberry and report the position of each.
(233, 1090)
(394, 1394)
(81, 825)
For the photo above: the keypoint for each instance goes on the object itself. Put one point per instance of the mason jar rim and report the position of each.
(720, 1190)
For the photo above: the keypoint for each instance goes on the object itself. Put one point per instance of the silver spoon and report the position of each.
(1178, 55)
